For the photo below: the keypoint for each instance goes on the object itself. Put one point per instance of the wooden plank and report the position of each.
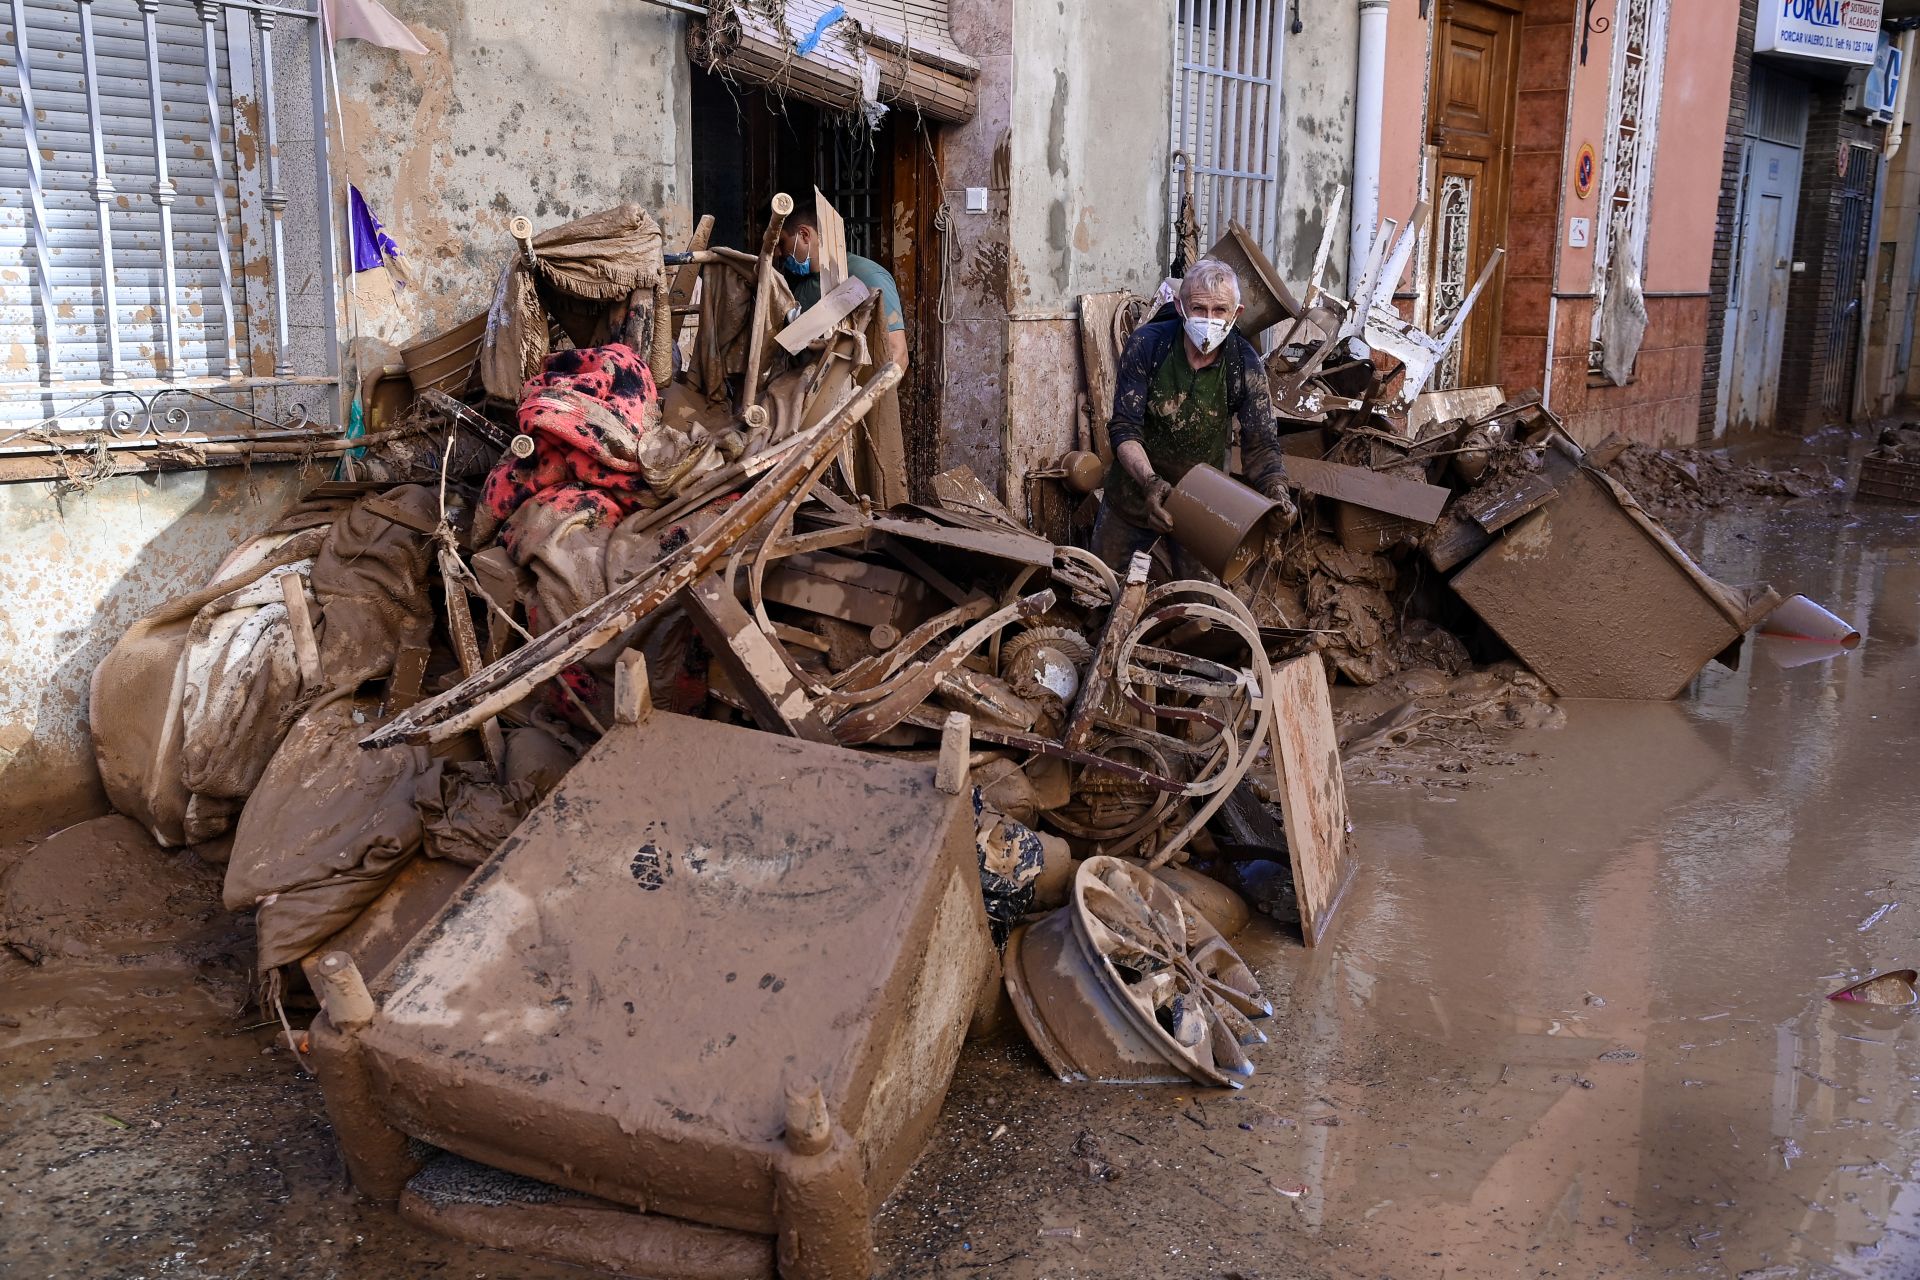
(1100, 675)
(684, 278)
(956, 753)
(882, 441)
(926, 572)
(632, 698)
(306, 649)
(1001, 544)
(1306, 754)
(1494, 510)
(757, 670)
(409, 677)
(827, 539)
(1472, 403)
(832, 249)
(1410, 498)
(818, 320)
(1453, 541)
(399, 515)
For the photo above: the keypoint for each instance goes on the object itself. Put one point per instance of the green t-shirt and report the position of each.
(1187, 421)
(806, 289)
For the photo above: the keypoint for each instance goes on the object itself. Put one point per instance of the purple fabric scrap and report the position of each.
(372, 246)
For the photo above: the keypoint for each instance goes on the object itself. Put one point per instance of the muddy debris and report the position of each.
(1684, 482)
(486, 747)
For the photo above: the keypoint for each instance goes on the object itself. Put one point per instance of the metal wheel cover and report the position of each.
(1128, 983)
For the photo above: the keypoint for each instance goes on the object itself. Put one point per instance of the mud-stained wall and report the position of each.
(1316, 154)
(977, 154)
(78, 571)
(549, 108)
(1090, 124)
(1088, 199)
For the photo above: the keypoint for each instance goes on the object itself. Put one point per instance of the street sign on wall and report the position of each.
(1843, 31)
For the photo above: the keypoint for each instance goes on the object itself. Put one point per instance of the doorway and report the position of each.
(884, 181)
(1763, 272)
(1470, 128)
(1763, 248)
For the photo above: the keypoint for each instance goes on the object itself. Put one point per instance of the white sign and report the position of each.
(1578, 232)
(1844, 31)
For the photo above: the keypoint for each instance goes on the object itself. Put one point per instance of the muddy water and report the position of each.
(1571, 1022)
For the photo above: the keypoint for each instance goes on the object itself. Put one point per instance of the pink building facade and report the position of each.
(1587, 140)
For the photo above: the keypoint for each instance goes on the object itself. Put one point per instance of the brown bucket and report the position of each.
(446, 362)
(1218, 520)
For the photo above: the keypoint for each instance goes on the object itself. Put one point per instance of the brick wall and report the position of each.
(1660, 405)
(1722, 273)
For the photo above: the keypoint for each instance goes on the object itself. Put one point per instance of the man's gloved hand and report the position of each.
(1282, 517)
(1157, 490)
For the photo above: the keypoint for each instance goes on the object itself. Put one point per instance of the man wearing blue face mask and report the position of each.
(799, 241)
(1183, 382)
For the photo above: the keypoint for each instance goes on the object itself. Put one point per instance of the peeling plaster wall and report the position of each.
(1316, 156)
(1088, 141)
(1093, 90)
(78, 571)
(973, 398)
(549, 108)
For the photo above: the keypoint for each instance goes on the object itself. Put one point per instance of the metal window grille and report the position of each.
(1453, 265)
(1639, 59)
(1850, 266)
(1226, 115)
(849, 168)
(148, 155)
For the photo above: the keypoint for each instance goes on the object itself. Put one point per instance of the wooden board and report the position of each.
(833, 244)
(1018, 548)
(1371, 489)
(855, 591)
(1306, 754)
(772, 694)
(1472, 403)
(818, 320)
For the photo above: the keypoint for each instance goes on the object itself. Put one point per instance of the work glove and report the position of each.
(1282, 517)
(1157, 490)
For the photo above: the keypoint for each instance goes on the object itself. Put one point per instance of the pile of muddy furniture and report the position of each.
(655, 792)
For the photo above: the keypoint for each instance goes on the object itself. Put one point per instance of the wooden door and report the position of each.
(1757, 307)
(1475, 69)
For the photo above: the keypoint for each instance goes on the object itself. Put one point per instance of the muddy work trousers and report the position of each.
(1116, 538)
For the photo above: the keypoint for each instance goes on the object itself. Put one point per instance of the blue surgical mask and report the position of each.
(798, 266)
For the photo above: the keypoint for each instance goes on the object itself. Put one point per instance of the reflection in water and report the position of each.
(1571, 1022)
(1617, 961)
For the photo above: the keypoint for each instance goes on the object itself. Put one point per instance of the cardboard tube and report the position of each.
(1799, 618)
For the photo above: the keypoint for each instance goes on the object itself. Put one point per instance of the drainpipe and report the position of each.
(1369, 101)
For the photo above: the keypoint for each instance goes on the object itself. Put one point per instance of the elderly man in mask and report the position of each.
(1185, 380)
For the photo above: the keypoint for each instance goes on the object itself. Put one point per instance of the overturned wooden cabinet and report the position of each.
(719, 977)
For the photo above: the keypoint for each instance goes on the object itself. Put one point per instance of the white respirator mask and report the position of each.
(1207, 334)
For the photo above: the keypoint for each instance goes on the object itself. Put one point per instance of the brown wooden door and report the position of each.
(1475, 70)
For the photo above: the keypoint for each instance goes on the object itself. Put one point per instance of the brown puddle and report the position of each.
(1572, 1021)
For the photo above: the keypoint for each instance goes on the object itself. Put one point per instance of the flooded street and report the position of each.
(1570, 1023)
(1572, 1018)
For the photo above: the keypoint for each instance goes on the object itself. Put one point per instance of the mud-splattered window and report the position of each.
(1626, 188)
(163, 232)
(1226, 125)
